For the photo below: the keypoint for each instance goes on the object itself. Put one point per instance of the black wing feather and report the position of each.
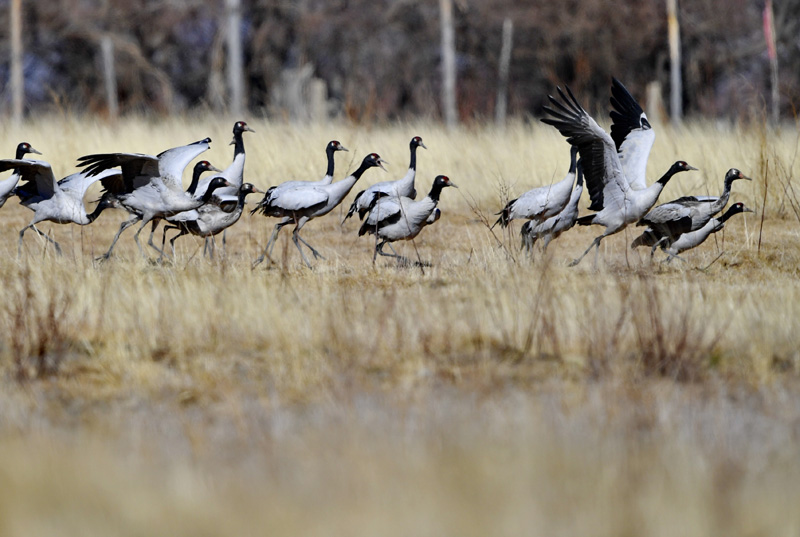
(626, 114)
(568, 119)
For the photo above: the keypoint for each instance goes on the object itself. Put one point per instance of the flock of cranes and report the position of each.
(611, 166)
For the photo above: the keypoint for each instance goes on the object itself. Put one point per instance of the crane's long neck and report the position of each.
(20, 153)
(238, 144)
(724, 218)
(209, 192)
(341, 188)
(722, 201)
(662, 182)
(413, 163)
(101, 206)
(330, 151)
(436, 191)
(241, 199)
(195, 180)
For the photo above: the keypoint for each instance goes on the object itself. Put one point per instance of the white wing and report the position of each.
(172, 162)
(79, 183)
(633, 155)
(299, 199)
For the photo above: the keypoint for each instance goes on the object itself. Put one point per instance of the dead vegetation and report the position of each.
(490, 395)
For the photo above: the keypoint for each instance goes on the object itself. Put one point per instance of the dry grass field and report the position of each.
(486, 394)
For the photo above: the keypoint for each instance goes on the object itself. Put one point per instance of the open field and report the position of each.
(484, 395)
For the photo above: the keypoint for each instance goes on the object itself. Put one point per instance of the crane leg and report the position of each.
(661, 242)
(164, 239)
(136, 238)
(595, 244)
(172, 240)
(37, 230)
(271, 242)
(317, 255)
(295, 238)
(379, 251)
(150, 239)
(125, 225)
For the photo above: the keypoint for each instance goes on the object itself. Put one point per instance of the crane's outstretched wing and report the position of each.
(602, 169)
(80, 182)
(137, 169)
(632, 134)
(172, 162)
(36, 176)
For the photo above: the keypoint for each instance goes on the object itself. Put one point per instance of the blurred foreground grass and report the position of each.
(487, 395)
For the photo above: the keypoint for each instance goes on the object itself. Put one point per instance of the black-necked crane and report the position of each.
(300, 204)
(234, 173)
(691, 239)
(150, 186)
(60, 202)
(7, 185)
(670, 220)
(199, 169)
(207, 220)
(330, 149)
(401, 218)
(542, 202)
(554, 226)
(400, 187)
(617, 203)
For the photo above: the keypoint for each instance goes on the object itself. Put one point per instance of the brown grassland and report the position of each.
(484, 395)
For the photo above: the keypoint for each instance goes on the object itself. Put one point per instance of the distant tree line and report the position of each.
(379, 59)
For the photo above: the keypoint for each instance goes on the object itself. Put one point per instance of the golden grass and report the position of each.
(485, 395)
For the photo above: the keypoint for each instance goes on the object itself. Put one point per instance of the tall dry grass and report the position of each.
(486, 394)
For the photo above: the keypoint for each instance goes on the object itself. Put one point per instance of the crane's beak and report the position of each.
(423, 146)
(453, 184)
(258, 190)
(342, 148)
(690, 167)
(32, 150)
(248, 129)
(743, 176)
(748, 210)
(213, 168)
(381, 162)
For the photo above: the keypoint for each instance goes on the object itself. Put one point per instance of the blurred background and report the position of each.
(374, 60)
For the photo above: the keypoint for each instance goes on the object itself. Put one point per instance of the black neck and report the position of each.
(667, 176)
(436, 191)
(242, 195)
(97, 210)
(361, 169)
(195, 179)
(208, 193)
(729, 183)
(330, 151)
(20, 153)
(238, 143)
(413, 164)
(730, 212)
(573, 158)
